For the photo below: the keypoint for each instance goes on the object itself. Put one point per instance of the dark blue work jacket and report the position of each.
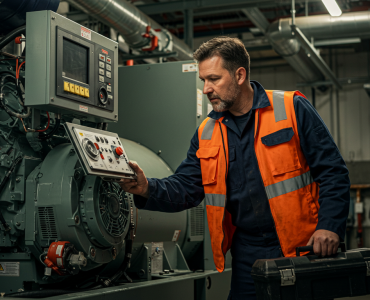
(247, 200)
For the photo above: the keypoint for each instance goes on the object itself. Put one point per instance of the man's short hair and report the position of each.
(231, 50)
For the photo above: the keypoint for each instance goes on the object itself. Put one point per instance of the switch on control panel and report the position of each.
(100, 152)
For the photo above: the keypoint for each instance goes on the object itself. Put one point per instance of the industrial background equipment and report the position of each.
(65, 225)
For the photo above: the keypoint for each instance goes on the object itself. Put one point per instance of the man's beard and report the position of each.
(225, 104)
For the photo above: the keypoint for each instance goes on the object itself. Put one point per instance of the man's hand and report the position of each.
(139, 186)
(325, 242)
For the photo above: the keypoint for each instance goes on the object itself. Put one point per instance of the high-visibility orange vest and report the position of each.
(290, 189)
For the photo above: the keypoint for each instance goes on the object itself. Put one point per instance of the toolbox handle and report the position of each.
(298, 250)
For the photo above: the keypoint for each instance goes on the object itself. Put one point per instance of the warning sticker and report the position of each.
(199, 102)
(209, 108)
(59, 262)
(9, 268)
(193, 67)
(86, 33)
(176, 235)
(84, 108)
(60, 247)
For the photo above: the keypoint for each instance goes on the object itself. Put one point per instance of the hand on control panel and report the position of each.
(139, 186)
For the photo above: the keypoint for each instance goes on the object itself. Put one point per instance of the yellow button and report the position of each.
(87, 95)
(72, 88)
(77, 89)
(66, 86)
(82, 91)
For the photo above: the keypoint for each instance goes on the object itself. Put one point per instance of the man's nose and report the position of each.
(207, 89)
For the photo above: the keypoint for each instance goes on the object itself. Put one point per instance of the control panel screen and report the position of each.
(75, 61)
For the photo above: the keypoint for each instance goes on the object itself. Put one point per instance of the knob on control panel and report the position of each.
(90, 149)
(103, 95)
(119, 151)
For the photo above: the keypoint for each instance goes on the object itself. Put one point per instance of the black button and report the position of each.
(102, 140)
(106, 150)
(114, 142)
(97, 138)
(106, 140)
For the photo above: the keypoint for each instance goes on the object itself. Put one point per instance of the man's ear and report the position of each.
(241, 75)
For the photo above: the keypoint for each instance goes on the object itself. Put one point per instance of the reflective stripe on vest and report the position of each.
(215, 200)
(279, 106)
(208, 129)
(289, 185)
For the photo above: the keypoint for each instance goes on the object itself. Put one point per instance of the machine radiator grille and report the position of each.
(197, 220)
(47, 223)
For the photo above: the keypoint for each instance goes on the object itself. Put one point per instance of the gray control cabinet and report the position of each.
(161, 105)
(61, 54)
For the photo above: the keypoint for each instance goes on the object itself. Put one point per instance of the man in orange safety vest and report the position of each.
(266, 165)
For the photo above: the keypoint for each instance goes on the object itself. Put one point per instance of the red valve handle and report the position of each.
(18, 40)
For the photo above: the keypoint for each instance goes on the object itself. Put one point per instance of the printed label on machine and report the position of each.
(176, 236)
(9, 268)
(157, 257)
(209, 108)
(86, 33)
(84, 108)
(199, 102)
(193, 67)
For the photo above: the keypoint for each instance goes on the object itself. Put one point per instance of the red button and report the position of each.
(119, 151)
(97, 146)
(101, 155)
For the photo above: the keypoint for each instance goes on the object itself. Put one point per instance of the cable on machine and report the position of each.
(2, 184)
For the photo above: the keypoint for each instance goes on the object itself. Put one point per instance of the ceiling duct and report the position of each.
(348, 25)
(131, 23)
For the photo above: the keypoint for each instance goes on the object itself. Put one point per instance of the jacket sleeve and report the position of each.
(326, 165)
(177, 192)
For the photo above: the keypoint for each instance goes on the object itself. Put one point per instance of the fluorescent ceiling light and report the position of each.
(332, 7)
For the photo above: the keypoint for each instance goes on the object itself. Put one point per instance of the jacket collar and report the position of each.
(260, 100)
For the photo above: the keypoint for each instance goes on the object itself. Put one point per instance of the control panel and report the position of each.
(101, 153)
(71, 69)
(89, 81)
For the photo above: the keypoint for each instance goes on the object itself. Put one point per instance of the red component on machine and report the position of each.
(153, 40)
(97, 146)
(119, 151)
(18, 40)
(54, 258)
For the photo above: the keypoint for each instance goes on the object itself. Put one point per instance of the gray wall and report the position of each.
(354, 104)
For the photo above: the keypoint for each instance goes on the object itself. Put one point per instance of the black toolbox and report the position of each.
(310, 277)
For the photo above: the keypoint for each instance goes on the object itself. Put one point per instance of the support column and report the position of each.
(189, 28)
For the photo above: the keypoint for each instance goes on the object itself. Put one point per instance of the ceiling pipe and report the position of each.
(316, 27)
(131, 23)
